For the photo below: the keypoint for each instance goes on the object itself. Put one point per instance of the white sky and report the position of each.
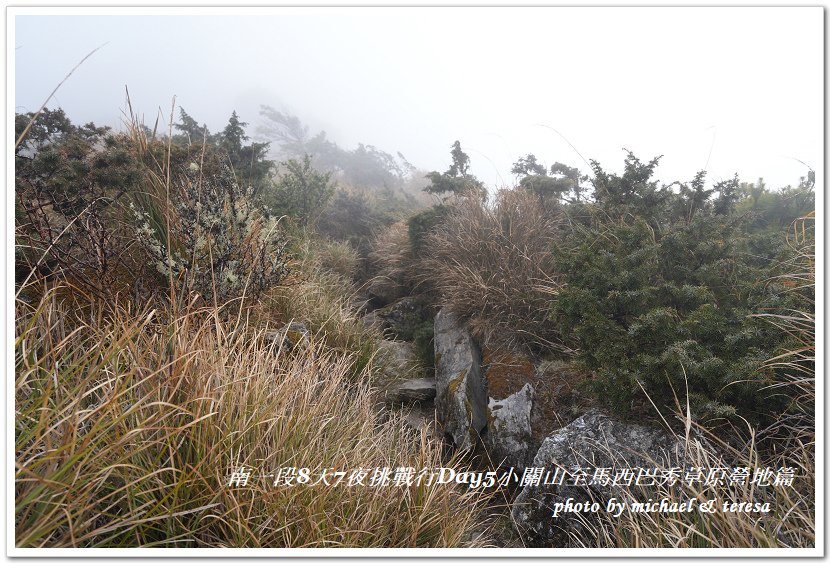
(743, 83)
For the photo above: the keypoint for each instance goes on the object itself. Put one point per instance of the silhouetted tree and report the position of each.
(456, 180)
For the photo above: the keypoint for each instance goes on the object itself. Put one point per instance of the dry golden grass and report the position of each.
(127, 429)
(790, 522)
(494, 266)
(338, 257)
(325, 301)
(391, 259)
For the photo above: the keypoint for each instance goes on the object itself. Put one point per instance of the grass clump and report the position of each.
(790, 521)
(390, 261)
(127, 430)
(325, 301)
(338, 257)
(494, 266)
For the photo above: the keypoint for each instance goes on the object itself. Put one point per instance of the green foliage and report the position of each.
(775, 210)
(423, 338)
(456, 180)
(660, 292)
(411, 320)
(546, 187)
(300, 192)
(68, 183)
(247, 161)
(417, 327)
(350, 216)
(728, 196)
(527, 166)
(49, 125)
(355, 215)
(422, 224)
(562, 180)
(460, 161)
(190, 132)
(633, 193)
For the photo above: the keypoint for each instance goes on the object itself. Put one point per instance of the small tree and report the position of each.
(632, 193)
(248, 162)
(570, 176)
(301, 192)
(456, 180)
(562, 180)
(190, 130)
(527, 165)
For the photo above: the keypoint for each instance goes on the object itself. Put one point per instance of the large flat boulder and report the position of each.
(461, 399)
(406, 391)
(592, 441)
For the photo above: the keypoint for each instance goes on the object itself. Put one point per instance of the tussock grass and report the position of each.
(339, 257)
(391, 261)
(127, 429)
(325, 301)
(796, 365)
(494, 266)
(790, 522)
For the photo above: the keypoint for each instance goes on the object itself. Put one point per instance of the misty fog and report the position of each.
(729, 90)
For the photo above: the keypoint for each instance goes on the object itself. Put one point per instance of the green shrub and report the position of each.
(661, 290)
(350, 216)
(421, 224)
(69, 183)
(300, 192)
(669, 313)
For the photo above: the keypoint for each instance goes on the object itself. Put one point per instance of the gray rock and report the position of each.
(291, 336)
(410, 391)
(400, 353)
(398, 362)
(509, 435)
(372, 319)
(402, 317)
(585, 444)
(461, 399)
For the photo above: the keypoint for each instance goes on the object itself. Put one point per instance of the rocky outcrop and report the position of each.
(461, 399)
(402, 318)
(372, 320)
(398, 364)
(591, 441)
(509, 434)
(398, 354)
(419, 390)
